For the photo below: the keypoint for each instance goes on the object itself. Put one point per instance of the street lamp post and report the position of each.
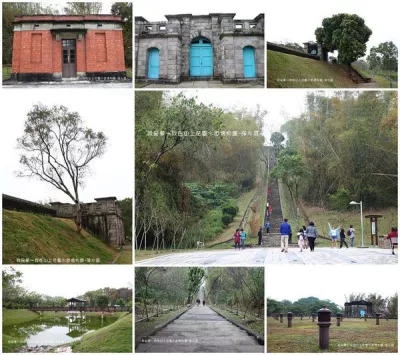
(361, 219)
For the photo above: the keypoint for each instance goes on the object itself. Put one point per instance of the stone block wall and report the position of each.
(174, 37)
(101, 218)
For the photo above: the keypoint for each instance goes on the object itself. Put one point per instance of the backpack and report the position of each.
(349, 232)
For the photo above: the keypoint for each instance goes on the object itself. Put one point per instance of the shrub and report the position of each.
(226, 219)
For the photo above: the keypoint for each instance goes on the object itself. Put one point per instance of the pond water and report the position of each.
(55, 331)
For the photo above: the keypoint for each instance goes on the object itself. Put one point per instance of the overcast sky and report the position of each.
(330, 282)
(106, 6)
(73, 280)
(110, 111)
(244, 11)
(279, 104)
(296, 21)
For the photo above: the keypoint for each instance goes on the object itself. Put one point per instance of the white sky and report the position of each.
(156, 12)
(276, 101)
(73, 280)
(296, 21)
(110, 111)
(292, 282)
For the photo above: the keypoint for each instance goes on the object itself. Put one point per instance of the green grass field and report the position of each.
(27, 235)
(115, 338)
(281, 66)
(381, 78)
(353, 336)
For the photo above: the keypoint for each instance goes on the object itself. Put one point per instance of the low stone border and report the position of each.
(259, 337)
(158, 327)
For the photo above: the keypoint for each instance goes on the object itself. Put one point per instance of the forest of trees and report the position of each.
(17, 297)
(187, 177)
(12, 9)
(309, 305)
(238, 289)
(157, 288)
(342, 148)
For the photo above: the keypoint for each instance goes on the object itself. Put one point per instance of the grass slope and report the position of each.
(27, 235)
(283, 66)
(115, 338)
(353, 335)
(12, 317)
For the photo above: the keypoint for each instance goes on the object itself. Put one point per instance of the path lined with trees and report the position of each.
(200, 329)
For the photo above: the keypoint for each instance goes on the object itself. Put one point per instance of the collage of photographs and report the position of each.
(214, 177)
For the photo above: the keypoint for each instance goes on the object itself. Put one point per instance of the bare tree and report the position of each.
(58, 150)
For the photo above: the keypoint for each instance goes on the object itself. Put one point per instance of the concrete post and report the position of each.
(281, 317)
(338, 319)
(324, 322)
(377, 316)
(289, 319)
(313, 317)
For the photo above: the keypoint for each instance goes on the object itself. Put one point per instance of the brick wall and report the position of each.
(40, 52)
(114, 51)
(26, 52)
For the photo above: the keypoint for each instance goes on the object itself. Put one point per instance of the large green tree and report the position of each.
(124, 9)
(346, 33)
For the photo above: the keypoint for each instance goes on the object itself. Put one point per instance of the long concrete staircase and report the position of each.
(273, 238)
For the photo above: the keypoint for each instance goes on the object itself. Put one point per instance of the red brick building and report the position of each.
(49, 47)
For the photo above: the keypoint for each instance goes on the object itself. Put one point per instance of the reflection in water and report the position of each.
(57, 330)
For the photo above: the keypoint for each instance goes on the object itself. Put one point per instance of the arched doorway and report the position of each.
(201, 57)
(249, 62)
(153, 63)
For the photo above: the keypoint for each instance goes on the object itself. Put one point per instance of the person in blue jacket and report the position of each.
(285, 230)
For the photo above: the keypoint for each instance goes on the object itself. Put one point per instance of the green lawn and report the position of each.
(6, 72)
(303, 71)
(125, 257)
(16, 316)
(33, 236)
(115, 338)
(353, 336)
(381, 78)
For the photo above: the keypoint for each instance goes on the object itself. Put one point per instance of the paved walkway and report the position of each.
(200, 329)
(70, 84)
(212, 84)
(265, 256)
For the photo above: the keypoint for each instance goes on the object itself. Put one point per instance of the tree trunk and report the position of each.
(78, 219)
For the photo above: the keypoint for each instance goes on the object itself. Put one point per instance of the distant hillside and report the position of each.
(286, 66)
(28, 235)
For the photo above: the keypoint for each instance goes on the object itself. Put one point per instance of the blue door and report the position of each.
(201, 58)
(249, 62)
(154, 63)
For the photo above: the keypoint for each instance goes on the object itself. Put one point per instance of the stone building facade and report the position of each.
(189, 47)
(101, 218)
(316, 49)
(49, 47)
